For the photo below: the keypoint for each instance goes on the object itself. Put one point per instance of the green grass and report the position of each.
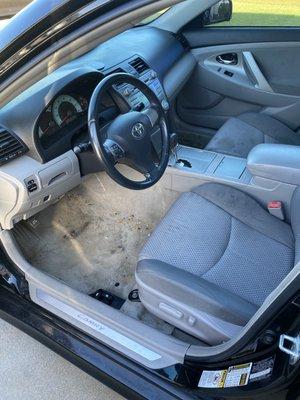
(265, 13)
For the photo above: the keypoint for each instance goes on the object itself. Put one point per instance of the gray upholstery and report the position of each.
(295, 219)
(240, 134)
(220, 239)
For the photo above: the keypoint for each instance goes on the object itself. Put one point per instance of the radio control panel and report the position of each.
(136, 99)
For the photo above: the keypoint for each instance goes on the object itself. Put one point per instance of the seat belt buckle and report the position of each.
(276, 209)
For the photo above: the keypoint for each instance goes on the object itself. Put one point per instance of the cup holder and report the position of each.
(183, 163)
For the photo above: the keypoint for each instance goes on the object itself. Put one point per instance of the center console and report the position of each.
(138, 67)
(197, 165)
(136, 98)
(271, 172)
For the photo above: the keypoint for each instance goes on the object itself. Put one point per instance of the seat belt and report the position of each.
(276, 209)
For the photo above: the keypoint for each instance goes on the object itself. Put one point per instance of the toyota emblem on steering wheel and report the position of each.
(138, 131)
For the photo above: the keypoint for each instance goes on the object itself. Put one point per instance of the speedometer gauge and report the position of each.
(65, 109)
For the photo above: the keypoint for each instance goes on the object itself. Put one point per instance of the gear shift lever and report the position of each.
(174, 150)
(174, 145)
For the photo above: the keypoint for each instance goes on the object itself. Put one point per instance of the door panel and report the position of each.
(193, 109)
(234, 78)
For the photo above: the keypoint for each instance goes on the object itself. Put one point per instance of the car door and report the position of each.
(249, 64)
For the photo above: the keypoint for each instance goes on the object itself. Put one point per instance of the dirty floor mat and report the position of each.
(91, 238)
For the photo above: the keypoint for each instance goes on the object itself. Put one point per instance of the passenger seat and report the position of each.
(240, 134)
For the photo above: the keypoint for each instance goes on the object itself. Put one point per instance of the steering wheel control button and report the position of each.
(114, 149)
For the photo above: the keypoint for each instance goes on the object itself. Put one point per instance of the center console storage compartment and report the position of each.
(206, 163)
(230, 167)
(195, 160)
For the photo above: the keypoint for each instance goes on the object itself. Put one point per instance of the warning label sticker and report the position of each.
(237, 375)
(262, 370)
(213, 379)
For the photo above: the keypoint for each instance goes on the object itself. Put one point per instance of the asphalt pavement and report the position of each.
(30, 371)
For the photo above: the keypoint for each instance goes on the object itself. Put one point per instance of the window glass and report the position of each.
(264, 13)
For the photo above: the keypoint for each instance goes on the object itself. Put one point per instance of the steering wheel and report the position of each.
(129, 138)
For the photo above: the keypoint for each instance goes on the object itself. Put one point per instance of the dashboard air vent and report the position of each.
(183, 40)
(10, 147)
(139, 65)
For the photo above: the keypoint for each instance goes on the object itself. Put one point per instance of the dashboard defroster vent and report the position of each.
(139, 65)
(10, 147)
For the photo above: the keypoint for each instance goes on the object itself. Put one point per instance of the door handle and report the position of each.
(252, 69)
(227, 59)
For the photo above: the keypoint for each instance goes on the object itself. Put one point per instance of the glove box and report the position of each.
(56, 172)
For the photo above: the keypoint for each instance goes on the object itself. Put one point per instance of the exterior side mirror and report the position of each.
(220, 12)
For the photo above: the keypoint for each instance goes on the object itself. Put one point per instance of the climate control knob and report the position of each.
(127, 92)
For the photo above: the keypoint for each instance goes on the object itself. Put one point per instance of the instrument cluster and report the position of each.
(62, 112)
(66, 114)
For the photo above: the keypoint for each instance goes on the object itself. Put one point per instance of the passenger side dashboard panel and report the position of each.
(27, 186)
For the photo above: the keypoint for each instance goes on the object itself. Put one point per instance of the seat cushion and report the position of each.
(222, 236)
(239, 135)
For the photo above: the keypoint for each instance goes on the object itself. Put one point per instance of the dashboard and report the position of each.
(48, 116)
(41, 129)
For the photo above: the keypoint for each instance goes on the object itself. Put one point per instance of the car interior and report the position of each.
(150, 187)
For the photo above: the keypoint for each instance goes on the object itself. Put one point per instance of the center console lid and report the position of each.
(278, 162)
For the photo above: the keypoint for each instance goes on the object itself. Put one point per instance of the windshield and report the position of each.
(153, 17)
